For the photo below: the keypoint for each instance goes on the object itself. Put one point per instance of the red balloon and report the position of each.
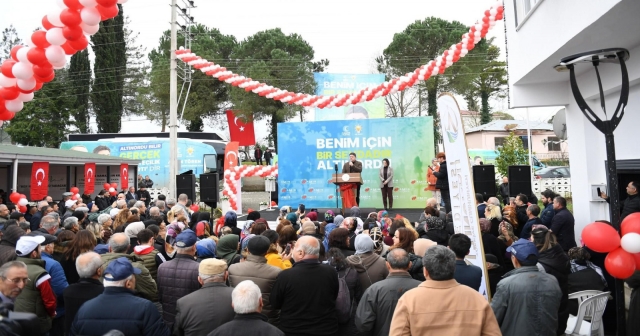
(23, 209)
(44, 79)
(9, 93)
(195, 207)
(37, 56)
(620, 263)
(6, 68)
(39, 84)
(106, 186)
(113, 193)
(70, 17)
(46, 24)
(601, 237)
(72, 33)
(107, 13)
(43, 70)
(73, 4)
(74, 190)
(39, 39)
(107, 3)
(114, 185)
(631, 223)
(14, 197)
(80, 43)
(14, 52)
(6, 116)
(68, 49)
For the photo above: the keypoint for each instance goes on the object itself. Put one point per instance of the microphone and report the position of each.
(335, 167)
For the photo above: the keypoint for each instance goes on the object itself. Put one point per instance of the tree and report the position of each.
(136, 69)
(44, 121)
(79, 80)
(10, 39)
(109, 73)
(402, 103)
(511, 153)
(283, 61)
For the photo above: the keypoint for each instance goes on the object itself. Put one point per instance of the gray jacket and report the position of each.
(389, 177)
(203, 310)
(527, 300)
(256, 269)
(376, 307)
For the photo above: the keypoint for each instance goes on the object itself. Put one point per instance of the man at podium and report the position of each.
(353, 166)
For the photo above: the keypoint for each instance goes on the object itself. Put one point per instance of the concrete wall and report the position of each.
(486, 140)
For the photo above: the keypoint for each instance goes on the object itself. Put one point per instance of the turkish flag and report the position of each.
(231, 155)
(39, 180)
(124, 176)
(240, 131)
(89, 178)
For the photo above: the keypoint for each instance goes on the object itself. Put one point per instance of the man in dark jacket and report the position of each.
(547, 212)
(532, 219)
(257, 154)
(504, 190)
(178, 277)
(88, 287)
(306, 293)
(247, 303)
(376, 306)
(210, 306)
(267, 157)
(353, 166)
(468, 275)
(521, 212)
(10, 237)
(101, 201)
(118, 308)
(443, 181)
(143, 195)
(630, 204)
(563, 223)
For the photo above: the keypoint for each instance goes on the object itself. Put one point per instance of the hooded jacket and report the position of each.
(371, 269)
(148, 254)
(555, 262)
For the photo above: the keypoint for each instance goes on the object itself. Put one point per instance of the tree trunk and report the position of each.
(485, 116)
(432, 103)
(164, 122)
(275, 119)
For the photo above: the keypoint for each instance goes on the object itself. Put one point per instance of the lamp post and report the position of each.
(606, 127)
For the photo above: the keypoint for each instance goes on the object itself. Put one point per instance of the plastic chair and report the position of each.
(583, 295)
(576, 325)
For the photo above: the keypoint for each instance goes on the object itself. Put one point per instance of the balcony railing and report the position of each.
(523, 10)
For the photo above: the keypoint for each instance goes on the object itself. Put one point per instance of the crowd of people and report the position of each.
(121, 263)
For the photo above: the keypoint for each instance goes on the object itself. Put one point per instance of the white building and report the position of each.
(539, 34)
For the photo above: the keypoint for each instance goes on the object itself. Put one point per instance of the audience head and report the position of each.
(307, 247)
(88, 265)
(14, 277)
(523, 253)
(543, 238)
(119, 243)
(460, 244)
(533, 210)
(246, 298)
(398, 260)
(212, 270)
(120, 273)
(439, 263)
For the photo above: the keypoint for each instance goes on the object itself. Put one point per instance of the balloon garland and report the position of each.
(232, 178)
(21, 200)
(433, 68)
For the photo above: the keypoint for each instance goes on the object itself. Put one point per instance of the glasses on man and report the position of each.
(19, 280)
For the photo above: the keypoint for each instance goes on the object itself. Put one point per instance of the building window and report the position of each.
(525, 141)
(498, 142)
(523, 8)
(553, 144)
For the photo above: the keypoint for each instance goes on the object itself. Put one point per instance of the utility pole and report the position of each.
(173, 102)
(185, 30)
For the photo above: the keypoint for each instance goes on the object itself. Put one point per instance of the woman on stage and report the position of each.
(432, 179)
(386, 184)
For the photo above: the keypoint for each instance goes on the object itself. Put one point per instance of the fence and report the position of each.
(561, 186)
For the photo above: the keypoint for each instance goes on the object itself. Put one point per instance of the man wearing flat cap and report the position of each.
(210, 306)
(61, 205)
(117, 308)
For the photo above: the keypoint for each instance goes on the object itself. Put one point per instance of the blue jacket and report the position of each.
(58, 280)
(34, 223)
(118, 308)
(547, 215)
(468, 275)
(526, 229)
(527, 300)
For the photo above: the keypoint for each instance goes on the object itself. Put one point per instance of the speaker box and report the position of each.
(209, 188)
(484, 180)
(519, 180)
(186, 184)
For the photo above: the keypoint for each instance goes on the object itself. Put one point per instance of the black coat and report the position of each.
(442, 174)
(101, 202)
(521, 216)
(176, 278)
(633, 320)
(630, 205)
(491, 246)
(144, 194)
(306, 296)
(35, 221)
(562, 225)
(254, 324)
(504, 192)
(77, 294)
(586, 279)
(556, 262)
(468, 275)
(441, 237)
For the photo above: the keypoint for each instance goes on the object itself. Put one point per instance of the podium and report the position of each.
(348, 183)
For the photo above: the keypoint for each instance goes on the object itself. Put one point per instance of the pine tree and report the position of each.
(80, 85)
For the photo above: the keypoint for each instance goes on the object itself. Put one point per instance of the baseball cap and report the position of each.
(522, 249)
(48, 239)
(186, 238)
(27, 244)
(258, 245)
(212, 266)
(69, 203)
(120, 269)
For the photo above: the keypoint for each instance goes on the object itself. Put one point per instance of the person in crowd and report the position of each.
(526, 298)
(353, 166)
(143, 195)
(118, 308)
(58, 280)
(205, 249)
(370, 266)
(443, 181)
(61, 246)
(182, 204)
(70, 206)
(132, 194)
(144, 284)
(210, 306)
(83, 241)
(403, 238)
(346, 272)
(148, 182)
(504, 190)
(147, 252)
(37, 297)
(257, 154)
(268, 156)
(339, 238)
(10, 237)
(507, 234)
(4, 213)
(274, 257)
(436, 231)
(521, 205)
(630, 204)
(227, 249)
(547, 213)
(306, 293)
(178, 277)
(248, 304)
(555, 262)
(376, 307)
(231, 221)
(386, 184)
(490, 243)
(255, 268)
(562, 224)
(468, 275)
(429, 211)
(88, 287)
(584, 276)
(37, 216)
(14, 276)
(101, 201)
(351, 225)
(432, 180)
(449, 303)
(493, 213)
(481, 205)
(121, 220)
(533, 211)
(132, 231)
(379, 247)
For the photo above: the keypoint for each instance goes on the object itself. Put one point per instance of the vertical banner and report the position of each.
(231, 161)
(124, 176)
(39, 180)
(463, 201)
(89, 178)
(334, 84)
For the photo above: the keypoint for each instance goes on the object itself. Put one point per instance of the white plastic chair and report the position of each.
(594, 305)
(583, 295)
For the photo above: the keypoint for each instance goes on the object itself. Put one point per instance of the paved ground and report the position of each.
(252, 200)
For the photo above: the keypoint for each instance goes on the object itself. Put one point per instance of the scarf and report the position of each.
(509, 228)
(206, 248)
(355, 212)
(246, 228)
(575, 267)
(381, 215)
(434, 223)
(133, 229)
(338, 220)
(202, 229)
(363, 244)
(245, 241)
(227, 248)
(292, 218)
(421, 245)
(376, 236)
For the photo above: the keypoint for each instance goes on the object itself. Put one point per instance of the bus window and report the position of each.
(210, 163)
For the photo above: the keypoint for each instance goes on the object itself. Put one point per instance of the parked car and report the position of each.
(552, 172)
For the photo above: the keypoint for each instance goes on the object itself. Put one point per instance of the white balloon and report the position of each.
(23, 202)
(55, 37)
(26, 97)
(122, 1)
(631, 242)
(21, 55)
(55, 54)
(22, 70)
(90, 16)
(78, 196)
(61, 4)
(90, 30)
(6, 81)
(27, 84)
(88, 3)
(112, 189)
(60, 65)
(14, 106)
(54, 17)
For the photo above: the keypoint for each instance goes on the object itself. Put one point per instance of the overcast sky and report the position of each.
(350, 33)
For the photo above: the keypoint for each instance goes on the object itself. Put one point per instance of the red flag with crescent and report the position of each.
(89, 178)
(39, 180)
(231, 155)
(124, 176)
(241, 131)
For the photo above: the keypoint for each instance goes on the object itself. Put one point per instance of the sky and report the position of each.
(350, 33)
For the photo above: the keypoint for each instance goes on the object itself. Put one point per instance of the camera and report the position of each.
(13, 323)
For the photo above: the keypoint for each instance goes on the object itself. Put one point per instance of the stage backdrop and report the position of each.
(308, 151)
(332, 84)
